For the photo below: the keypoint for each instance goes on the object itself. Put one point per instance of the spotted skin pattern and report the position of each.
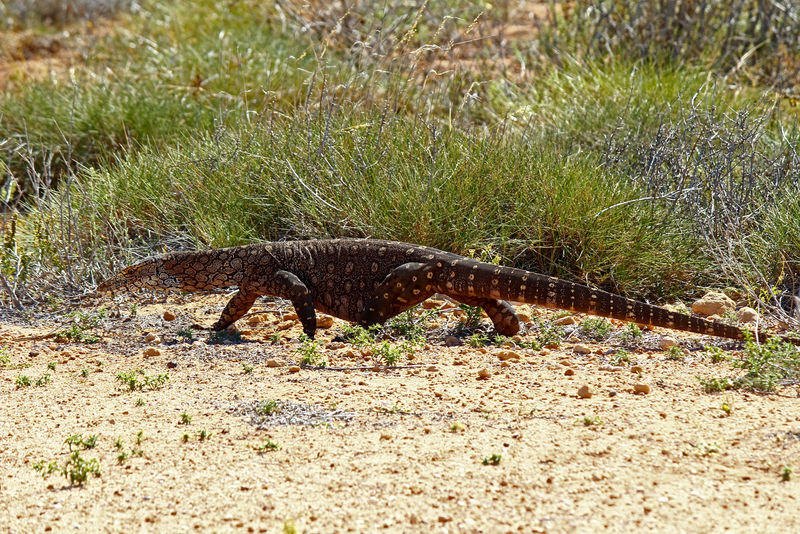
(368, 281)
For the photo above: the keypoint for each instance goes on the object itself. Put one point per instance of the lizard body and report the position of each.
(368, 281)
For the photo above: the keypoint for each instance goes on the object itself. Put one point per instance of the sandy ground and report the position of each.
(393, 450)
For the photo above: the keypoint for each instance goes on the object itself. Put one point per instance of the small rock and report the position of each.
(150, 337)
(273, 363)
(431, 368)
(151, 351)
(713, 303)
(335, 345)
(612, 393)
(294, 369)
(291, 316)
(569, 372)
(581, 348)
(612, 368)
(641, 388)
(324, 321)
(508, 355)
(452, 341)
(386, 437)
(505, 364)
(168, 316)
(172, 365)
(566, 321)
(484, 374)
(585, 392)
(524, 316)
(747, 315)
(636, 369)
(666, 342)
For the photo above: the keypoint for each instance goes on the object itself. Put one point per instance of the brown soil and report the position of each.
(396, 450)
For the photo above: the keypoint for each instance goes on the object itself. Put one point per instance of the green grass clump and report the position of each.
(137, 380)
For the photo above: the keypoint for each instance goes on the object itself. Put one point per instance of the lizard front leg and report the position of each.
(286, 285)
(501, 313)
(403, 288)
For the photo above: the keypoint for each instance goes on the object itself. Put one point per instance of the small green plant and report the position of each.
(23, 381)
(717, 354)
(139, 437)
(203, 435)
(410, 323)
(268, 446)
(185, 437)
(122, 457)
(140, 402)
(620, 357)
(185, 418)
(82, 323)
(5, 357)
(727, 406)
(596, 327)
(550, 335)
(360, 336)
(591, 420)
(137, 380)
(309, 350)
(78, 441)
(275, 338)
(477, 340)
(676, 353)
(77, 469)
(786, 473)
(631, 333)
(471, 319)
(768, 364)
(84, 372)
(187, 335)
(51, 366)
(493, 459)
(248, 369)
(43, 380)
(118, 444)
(715, 384)
(269, 407)
(457, 427)
(134, 309)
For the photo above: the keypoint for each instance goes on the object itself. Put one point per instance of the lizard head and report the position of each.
(147, 274)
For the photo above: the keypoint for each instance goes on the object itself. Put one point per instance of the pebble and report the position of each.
(294, 369)
(747, 315)
(324, 321)
(569, 372)
(581, 348)
(713, 303)
(505, 364)
(666, 342)
(636, 369)
(273, 363)
(585, 392)
(484, 374)
(168, 316)
(335, 345)
(566, 321)
(641, 388)
(151, 351)
(431, 368)
(431, 303)
(452, 341)
(151, 338)
(172, 365)
(508, 355)
(524, 316)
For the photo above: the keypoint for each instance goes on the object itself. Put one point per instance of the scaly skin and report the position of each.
(368, 281)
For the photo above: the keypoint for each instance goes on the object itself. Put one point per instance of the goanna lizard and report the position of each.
(368, 281)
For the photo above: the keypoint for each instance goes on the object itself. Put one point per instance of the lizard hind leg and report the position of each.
(501, 313)
(403, 288)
